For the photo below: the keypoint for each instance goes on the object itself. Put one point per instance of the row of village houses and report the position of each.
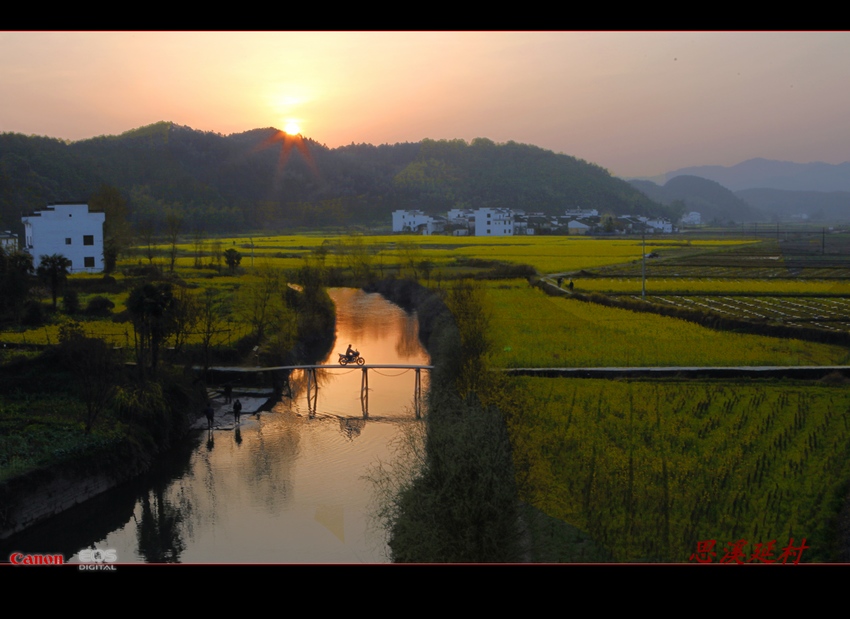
(509, 222)
(72, 230)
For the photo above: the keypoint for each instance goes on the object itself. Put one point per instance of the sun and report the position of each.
(292, 127)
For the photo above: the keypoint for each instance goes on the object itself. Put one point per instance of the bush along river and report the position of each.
(284, 486)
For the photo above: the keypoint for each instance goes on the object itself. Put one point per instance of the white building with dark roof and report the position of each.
(417, 222)
(494, 222)
(66, 229)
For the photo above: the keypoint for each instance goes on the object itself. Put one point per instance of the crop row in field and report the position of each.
(650, 469)
(743, 270)
(693, 286)
(832, 314)
(531, 329)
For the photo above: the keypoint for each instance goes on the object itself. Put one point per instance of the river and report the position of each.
(286, 486)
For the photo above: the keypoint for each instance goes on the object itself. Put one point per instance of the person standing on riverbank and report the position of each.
(237, 410)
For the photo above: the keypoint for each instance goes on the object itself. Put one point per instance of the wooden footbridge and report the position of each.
(313, 385)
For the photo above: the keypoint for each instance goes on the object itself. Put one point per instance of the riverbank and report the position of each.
(288, 486)
(148, 420)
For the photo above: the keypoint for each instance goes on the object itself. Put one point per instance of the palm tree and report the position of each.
(53, 270)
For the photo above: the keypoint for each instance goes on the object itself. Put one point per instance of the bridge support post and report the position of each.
(312, 391)
(417, 394)
(364, 392)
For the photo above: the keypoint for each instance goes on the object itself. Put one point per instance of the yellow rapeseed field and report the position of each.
(531, 329)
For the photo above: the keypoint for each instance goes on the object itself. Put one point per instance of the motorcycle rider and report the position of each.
(350, 353)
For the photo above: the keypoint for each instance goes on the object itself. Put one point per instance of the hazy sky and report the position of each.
(637, 103)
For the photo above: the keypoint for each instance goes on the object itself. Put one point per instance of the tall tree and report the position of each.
(216, 253)
(117, 234)
(199, 242)
(95, 366)
(260, 303)
(186, 314)
(232, 258)
(152, 307)
(211, 321)
(15, 271)
(147, 229)
(53, 271)
(173, 225)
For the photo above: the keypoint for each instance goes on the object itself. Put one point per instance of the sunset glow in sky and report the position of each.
(637, 103)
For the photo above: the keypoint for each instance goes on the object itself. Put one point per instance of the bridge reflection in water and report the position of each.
(313, 384)
(312, 387)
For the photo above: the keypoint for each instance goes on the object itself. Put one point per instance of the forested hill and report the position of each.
(263, 178)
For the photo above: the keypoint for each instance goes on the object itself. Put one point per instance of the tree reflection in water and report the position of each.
(159, 531)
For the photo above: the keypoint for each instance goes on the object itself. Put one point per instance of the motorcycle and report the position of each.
(354, 357)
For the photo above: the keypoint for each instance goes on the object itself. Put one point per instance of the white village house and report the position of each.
(8, 241)
(417, 222)
(494, 222)
(67, 229)
(692, 219)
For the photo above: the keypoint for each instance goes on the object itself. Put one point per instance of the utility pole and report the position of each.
(643, 269)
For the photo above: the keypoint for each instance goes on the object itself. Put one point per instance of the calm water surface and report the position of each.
(287, 485)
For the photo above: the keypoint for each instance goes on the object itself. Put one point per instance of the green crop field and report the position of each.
(548, 254)
(650, 469)
(531, 329)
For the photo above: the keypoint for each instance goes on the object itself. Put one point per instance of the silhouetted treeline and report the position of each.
(265, 179)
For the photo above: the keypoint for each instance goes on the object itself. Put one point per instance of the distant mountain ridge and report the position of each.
(264, 179)
(758, 190)
(813, 206)
(771, 174)
(692, 193)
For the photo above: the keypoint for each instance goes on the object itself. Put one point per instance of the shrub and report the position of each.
(71, 302)
(99, 306)
(33, 314)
